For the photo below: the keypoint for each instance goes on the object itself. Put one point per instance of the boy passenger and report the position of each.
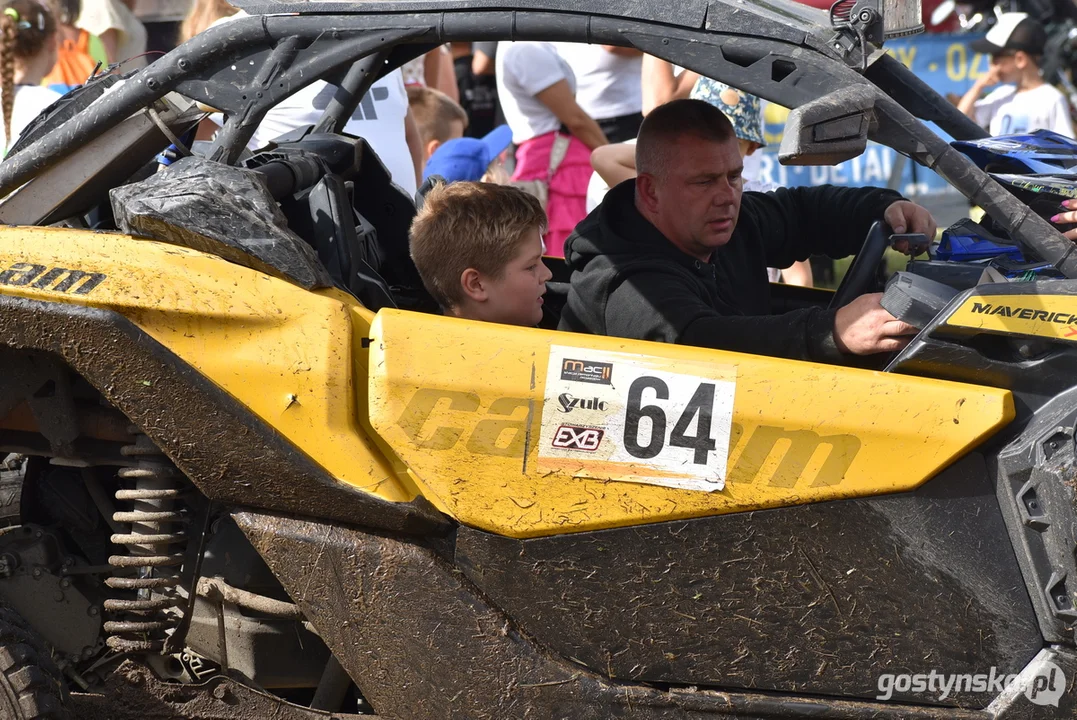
(478, 248)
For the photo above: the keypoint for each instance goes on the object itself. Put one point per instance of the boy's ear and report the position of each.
(431, 147)
(472, 283)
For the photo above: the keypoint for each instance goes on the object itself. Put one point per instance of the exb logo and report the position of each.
(588, 372)
(570, 437)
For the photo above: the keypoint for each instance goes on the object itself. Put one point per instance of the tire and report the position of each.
(31, 686)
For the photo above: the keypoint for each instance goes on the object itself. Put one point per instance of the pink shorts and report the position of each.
(568, 189)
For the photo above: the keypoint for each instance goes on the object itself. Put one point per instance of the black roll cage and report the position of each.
(246, 66)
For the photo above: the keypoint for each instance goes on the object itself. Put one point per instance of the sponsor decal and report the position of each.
(571, 437)
(56, 279)
(569, 403)
(658, 427)
(598, 373)
(1023, 313)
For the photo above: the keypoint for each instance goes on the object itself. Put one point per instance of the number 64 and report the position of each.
(701, 404)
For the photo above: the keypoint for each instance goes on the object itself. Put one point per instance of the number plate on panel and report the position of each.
(625, 417)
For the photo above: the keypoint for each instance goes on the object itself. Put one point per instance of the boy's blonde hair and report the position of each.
(470, 225)
(434, 113)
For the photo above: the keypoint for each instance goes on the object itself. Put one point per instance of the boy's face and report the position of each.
(1010, 65)
(515, 298)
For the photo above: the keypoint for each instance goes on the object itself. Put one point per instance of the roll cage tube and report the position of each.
(215, 67)
(350, 92)
(897, 128)
(916, 96)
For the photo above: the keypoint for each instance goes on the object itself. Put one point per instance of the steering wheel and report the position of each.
(861, 273)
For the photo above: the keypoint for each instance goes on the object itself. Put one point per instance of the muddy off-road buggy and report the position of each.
(261, 479)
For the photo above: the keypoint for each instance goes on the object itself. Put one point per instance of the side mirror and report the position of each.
(830, 129)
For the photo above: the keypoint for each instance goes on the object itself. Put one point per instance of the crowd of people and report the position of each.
(49, 46)
(643, 176)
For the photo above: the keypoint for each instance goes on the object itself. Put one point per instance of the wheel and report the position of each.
(31, 687)
(858, 278)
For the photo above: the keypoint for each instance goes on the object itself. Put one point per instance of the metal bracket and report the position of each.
(858, 23)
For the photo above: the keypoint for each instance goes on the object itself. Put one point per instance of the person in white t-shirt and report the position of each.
(33, 53)
(608, 86)
(537, 91)
(383, 119)
(1025, 102)
(121, 32)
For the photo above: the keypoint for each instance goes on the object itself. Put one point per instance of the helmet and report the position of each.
(1040, 151)
(967, 241)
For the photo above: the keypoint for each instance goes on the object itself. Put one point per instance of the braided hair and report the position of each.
(26, 26)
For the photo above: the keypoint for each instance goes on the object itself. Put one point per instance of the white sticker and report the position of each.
(625, 417)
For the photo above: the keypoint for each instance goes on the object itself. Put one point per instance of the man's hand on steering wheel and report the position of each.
(864, 327)
(908, 217)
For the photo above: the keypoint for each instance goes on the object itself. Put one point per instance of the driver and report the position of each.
(680, 255)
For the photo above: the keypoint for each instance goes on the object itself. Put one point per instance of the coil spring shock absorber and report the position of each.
(156, 543)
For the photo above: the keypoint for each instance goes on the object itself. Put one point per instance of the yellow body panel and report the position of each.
(1049, 316)
(287, 354)
(465, 405)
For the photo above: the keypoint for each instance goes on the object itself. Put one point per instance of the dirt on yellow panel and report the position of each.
(288, 354)
(527, 432)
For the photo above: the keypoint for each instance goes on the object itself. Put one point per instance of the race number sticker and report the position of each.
(624, 417)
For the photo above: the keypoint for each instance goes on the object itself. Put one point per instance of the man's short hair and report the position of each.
(470, 225)
(672, 121)
(434, 113)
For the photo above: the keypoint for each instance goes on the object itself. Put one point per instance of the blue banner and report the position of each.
(945, 63)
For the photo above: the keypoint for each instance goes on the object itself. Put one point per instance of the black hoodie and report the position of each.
(629, 281)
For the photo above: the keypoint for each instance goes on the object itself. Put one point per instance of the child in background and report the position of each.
(471, 159)
(27, 54)
(438, 117)
(79, 53)
(1025, 102)
(478, 248)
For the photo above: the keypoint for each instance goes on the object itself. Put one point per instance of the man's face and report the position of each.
(695, 200)
(515, 297)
